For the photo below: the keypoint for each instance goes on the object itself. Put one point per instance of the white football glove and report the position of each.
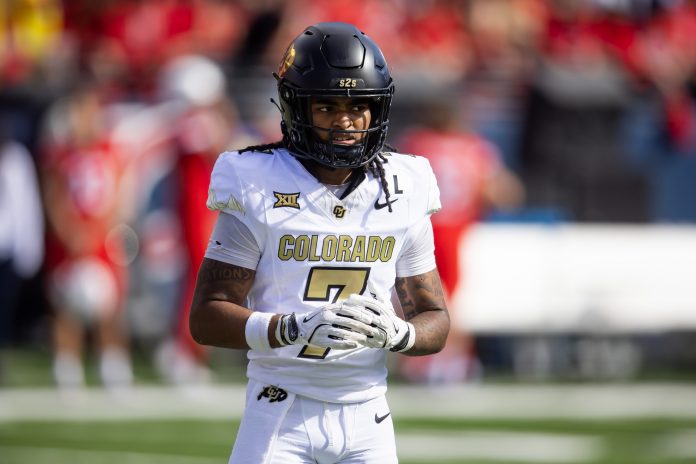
(329, 327)
(393, 333)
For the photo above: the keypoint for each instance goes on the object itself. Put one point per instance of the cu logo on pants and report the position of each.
(273, 394)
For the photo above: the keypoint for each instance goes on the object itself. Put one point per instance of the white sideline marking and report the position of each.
(615, 401)
(414, 445)
(680, 444)
(500, 446)
(214, 402)
(587, 401)
(80, 456)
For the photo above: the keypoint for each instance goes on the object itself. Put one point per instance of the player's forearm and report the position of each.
(423, 303)
(219, 323)
(218, 315)
(223, 324)
(431, 328)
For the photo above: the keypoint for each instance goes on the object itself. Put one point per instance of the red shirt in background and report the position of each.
(462, 163)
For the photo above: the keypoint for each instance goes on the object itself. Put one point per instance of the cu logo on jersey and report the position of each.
(339, 211)
(273, 393)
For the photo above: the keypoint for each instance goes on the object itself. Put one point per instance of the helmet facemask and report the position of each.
(307, 143)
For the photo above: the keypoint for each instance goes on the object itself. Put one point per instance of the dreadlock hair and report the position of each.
(376, 166)
(264, 147)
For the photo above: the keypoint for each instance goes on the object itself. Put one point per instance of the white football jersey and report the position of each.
(317, 249)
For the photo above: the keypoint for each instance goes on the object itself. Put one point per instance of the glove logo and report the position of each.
(273, 393)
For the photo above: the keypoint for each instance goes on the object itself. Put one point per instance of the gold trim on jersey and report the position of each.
(341, 248)
(232, 203)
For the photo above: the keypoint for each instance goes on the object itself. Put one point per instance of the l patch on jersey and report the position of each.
(397, 191)
(339, 211)
(287, 200)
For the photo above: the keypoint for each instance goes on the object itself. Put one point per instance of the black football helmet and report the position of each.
(333, 60)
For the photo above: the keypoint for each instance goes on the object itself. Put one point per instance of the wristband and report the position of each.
(256, 331)
(407, 342)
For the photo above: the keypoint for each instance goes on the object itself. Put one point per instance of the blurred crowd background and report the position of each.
(113, 112)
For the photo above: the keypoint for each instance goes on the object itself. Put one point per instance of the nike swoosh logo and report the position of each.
(307, 319)
(379, 419)
(379, 205)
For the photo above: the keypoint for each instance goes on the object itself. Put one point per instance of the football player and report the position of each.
(314, 234)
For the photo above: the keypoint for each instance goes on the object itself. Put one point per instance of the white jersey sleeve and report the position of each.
(418, 256)
(418, 253)
(232, 191)
(433, 204)
(233, 243)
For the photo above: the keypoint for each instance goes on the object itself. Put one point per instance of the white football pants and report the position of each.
(280, 427)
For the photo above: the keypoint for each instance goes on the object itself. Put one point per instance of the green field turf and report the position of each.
(503, 423)
(205, 442)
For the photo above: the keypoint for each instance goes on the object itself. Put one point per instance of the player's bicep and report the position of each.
(220, 281)
(420, 293)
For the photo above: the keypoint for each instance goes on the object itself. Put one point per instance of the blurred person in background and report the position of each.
(436, 48)
(81, 170)
(660, 130)
(504, 35)
(31, 32)
(36, 63)
(313, 235)
(473, 180)
(207, 124)
(21, 230)
(428, 40)
(572, 160)
(384, 17)
(136, 37)
(131, 40)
